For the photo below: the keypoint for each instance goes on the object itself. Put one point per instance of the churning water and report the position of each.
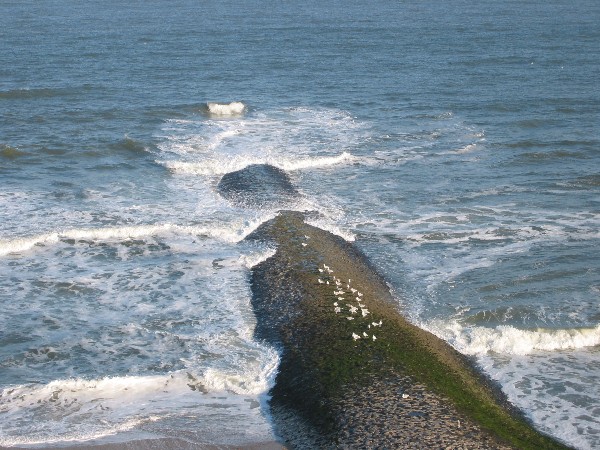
(456, 143)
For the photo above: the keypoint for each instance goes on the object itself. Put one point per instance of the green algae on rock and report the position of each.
(354, 372)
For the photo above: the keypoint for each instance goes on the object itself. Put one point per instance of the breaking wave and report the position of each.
(111, 405)
(233, 233)
(221, 167)
(223, 109)
(508, 340)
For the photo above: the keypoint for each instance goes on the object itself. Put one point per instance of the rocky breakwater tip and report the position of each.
(258, 186)
(354, 373)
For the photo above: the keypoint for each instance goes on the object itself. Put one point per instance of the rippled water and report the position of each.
(455, 144)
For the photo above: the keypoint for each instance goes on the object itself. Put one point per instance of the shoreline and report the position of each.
(156, 444)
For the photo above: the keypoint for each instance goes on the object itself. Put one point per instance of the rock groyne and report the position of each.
(354, 372)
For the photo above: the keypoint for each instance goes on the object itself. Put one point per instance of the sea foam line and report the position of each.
(508, 340)
(330, 226)
(254, 259)
(110, 405)
(222, 166)
(75, 396)
(251, 381)
(77, 436)
(225, 109)
(232, 234)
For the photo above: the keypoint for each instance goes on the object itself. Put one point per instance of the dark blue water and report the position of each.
(455, 143)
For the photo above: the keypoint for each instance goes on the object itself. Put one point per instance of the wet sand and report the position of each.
(159, 444)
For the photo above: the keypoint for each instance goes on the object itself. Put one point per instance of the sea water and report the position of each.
(455, 143)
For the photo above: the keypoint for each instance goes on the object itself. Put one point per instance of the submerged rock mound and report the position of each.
(258, 186)
(354, 373)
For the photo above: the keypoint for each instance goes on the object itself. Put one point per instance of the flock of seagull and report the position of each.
(326, 277)
(350, 309)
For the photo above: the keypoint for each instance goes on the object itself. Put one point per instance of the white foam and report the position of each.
(226, 164)
(128, 232)
(234, 232)
(131, 387)
(557, 392)
(111, 405)
(226, 109)
(36, 439)
(508, 340)
(330, 226)
(244, 383)
(323, 161)
(292, 139)
(69, 399)
(208, 167)
(254, 259)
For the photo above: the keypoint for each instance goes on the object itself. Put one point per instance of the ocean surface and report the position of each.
(457, 144)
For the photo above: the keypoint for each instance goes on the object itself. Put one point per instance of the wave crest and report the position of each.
(234, 233)
(221, 167)
(506, 339)
(226, 109)
(111, 405)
